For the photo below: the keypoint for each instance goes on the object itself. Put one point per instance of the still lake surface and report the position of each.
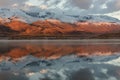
(60, 59)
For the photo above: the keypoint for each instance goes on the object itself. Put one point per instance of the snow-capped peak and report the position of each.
(114, 14)
(16, 14)
(32, 14)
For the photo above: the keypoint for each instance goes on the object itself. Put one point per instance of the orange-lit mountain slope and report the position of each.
(58, 28)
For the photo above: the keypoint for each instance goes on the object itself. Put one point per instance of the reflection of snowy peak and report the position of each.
(33, 14)
(65, 68)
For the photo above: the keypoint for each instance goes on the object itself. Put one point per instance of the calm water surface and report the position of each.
(60, 60)
(56, 49)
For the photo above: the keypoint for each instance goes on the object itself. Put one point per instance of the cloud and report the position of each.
(84, 4)
(61, 4)
(113, 5)
(97, 6)
(87, 6)
(8, 3)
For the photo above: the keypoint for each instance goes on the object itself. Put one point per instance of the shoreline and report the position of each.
(65, 41)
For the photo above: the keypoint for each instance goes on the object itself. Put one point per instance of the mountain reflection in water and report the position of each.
(56, 49)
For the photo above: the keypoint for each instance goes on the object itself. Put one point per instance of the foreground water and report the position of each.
(60, 60)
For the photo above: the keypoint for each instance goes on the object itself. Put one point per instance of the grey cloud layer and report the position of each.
(84, 4)
(114, 5)
(89, 6)
(99, 6)
(8, 3)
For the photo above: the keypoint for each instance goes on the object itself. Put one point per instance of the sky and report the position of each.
(88, 6)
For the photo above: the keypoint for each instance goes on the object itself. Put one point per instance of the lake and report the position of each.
(60, 59)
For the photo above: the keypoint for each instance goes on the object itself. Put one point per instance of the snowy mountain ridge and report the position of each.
(32, 14)
(114, 14)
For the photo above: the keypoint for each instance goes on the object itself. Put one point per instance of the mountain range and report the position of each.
(35, 23)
